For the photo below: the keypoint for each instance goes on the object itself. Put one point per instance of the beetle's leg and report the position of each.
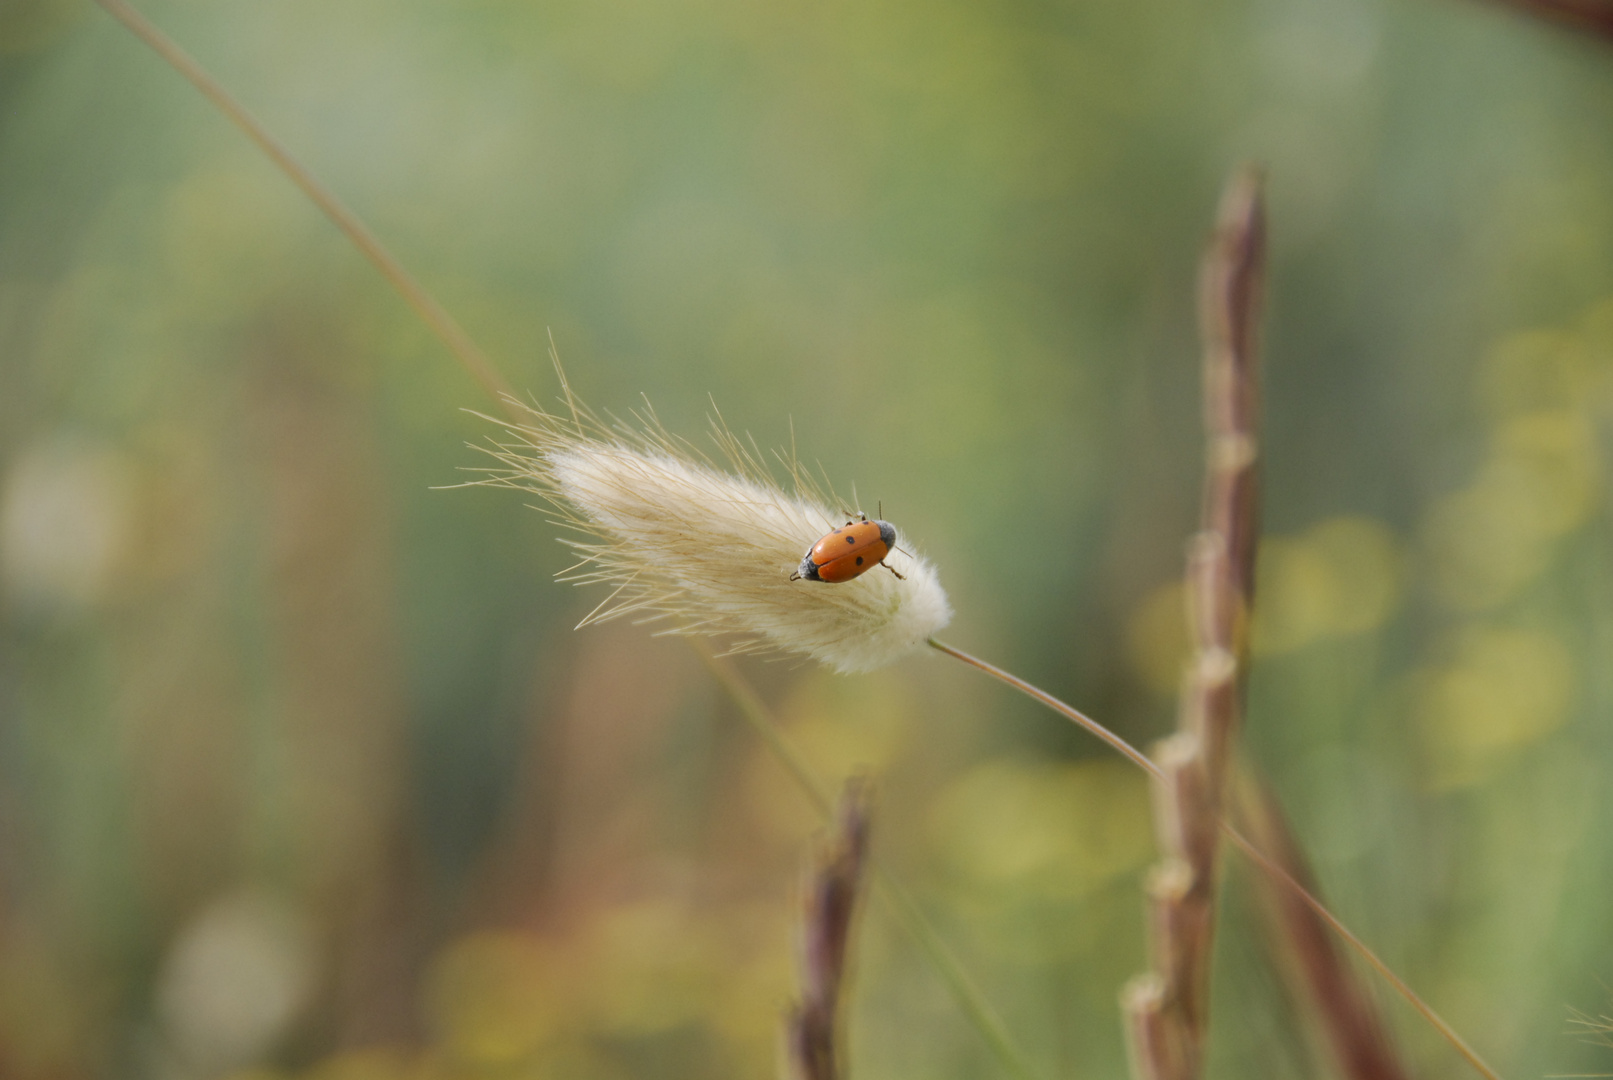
(892, 569)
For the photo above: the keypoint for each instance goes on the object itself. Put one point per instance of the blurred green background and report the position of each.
(303, 771)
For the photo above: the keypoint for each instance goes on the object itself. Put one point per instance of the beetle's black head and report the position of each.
(887, 533)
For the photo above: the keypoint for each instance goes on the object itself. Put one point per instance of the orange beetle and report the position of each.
(848, 551)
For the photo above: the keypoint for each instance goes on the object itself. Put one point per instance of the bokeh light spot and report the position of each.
(1297, 595)
(652, 968)
(492, 998)
(1503, 690)
(370, 1063)
(235, 978)
(65, 522)
(1157, 640)
(1490, 539)
(1056, 830)
(1535, 370)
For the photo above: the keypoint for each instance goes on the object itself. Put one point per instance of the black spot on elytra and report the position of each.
(859, 560)
(851, 539)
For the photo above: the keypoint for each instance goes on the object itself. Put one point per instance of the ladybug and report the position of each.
(848, 551)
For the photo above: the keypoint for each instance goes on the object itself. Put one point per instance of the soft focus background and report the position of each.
(303, 771)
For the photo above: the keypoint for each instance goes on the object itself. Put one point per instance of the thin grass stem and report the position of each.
(1138, 758)
(1259, 858)
(434, 315)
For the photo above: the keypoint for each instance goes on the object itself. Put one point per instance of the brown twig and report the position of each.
(1174, 1013)
(811, 1031)
(1342, 1006)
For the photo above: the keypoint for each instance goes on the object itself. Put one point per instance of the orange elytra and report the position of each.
(850, 550)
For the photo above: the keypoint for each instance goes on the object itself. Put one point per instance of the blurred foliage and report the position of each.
(304, 772)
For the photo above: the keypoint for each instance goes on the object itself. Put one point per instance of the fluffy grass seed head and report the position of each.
(710, 550)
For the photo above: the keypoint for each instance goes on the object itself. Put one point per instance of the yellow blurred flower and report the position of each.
(1295, 597)
(1597, 336)
(1364, 560)
(257, 1073)
(1503, 690)
(1552, 459)
(843, 725)
(1537, 370)
(1343, 576)
(492, 997)
(651, 967)
(1490, 539)
(1054, 830)
(371, 1063)
(1157, 640)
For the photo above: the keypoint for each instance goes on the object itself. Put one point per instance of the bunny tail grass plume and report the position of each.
(711, 551)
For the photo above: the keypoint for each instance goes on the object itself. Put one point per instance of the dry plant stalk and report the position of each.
(1168, 1009)
(1322, 976)
(812, 1029)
